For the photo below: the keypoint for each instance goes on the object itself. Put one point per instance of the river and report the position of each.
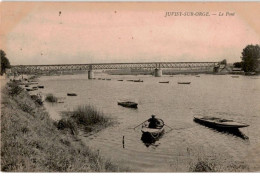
(216, 95)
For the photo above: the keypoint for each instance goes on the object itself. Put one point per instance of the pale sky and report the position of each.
(125, 32)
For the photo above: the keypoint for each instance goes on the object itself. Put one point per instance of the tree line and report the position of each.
(4, 62)
(250, 58)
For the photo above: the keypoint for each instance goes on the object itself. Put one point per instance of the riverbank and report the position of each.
(30, 141)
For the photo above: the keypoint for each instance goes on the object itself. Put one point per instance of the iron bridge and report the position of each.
(111, 66)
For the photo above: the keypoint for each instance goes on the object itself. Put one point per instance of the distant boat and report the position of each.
(171, 76)
(103, 79)
(139, 80)
(164, 81)
(130, 80)
(235, 76)
(197, 75)
(99, 78)
(41, 87)
(29, 89)
(108, 79)
(184, 82)
(120, 80)
(128, 104)
(71, 94)
(220, 123)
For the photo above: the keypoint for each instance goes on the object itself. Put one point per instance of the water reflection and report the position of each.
(230, 131)
(150, 140)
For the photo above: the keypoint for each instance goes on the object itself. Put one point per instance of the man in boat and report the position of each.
(154, 122)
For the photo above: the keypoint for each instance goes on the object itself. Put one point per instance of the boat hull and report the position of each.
(128, 105)
(227, 124)
(152, 132)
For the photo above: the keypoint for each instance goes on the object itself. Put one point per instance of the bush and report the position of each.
(88, 115)
(51, 98)
(66, 123)
(15, 89)
(85, 117)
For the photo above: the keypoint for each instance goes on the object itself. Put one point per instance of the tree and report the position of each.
(237, 64)
(250, 58)
(4, 62)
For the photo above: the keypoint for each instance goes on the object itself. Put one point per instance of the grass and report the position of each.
(84, 117)
(30, 142)
(215, 163)
(51, 98)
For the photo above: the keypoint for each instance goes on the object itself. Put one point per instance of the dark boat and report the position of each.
(41, 87)
(71, 94)
(139, 80)
(128, 104)
(184, 82)
(120, 80)
(164, 81)
(219, 123)
(29, 89)
(131, 80)
(153, 132)
(108, 79)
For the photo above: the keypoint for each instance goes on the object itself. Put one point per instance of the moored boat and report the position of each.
(128, 104)
(218, 122)
(120, 80)
(164, 81)
(139, 80)
(71, 94)
(184, 82)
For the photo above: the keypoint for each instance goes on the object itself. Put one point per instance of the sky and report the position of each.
(35, 33)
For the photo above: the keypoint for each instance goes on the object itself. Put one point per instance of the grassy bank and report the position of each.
(31, 142)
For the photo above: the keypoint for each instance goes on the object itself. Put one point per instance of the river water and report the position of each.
(188, 142)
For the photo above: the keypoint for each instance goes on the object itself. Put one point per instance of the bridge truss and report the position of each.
(111, 66)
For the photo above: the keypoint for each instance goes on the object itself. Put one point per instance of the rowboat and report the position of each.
(220, 123)
(41, 87)
(164, 81)
(128, 104)
(153, 132)
(71, 94)
(120, 80)
(183, 82)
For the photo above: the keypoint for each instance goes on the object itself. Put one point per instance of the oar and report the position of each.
(168, 126)
(140, 124)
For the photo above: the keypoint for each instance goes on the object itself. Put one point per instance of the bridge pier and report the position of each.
(90, 74)
(157, 72)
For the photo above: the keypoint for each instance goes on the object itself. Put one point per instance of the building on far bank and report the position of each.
(238, 71)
